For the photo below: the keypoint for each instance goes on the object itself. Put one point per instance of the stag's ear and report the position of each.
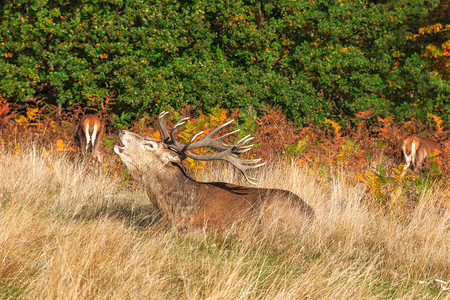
(169, 156)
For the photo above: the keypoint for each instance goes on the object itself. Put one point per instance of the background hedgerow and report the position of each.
(312, 59)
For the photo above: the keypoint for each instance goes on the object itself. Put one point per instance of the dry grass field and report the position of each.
(74, 231)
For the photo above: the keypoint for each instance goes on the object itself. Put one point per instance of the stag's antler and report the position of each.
(226, 152)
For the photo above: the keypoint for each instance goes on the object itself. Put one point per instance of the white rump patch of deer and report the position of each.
(89, 136)
(416, 149)
(185, 202)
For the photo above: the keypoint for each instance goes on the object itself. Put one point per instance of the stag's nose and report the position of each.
(121, 133)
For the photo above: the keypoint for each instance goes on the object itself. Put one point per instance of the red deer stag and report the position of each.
(415, 151)
(89, 135)
(187, 203)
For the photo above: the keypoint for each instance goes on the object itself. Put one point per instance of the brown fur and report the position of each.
(87, 124)
(185, 202)
(416, 150)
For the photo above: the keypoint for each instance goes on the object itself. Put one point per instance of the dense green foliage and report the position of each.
(314, 59)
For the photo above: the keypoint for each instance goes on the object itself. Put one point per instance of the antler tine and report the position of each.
(163, 131)
(180, 122)
(173, 140)
(243, 141)
(251, 180)
(245, 149)
(191, 141)
(246, 164)
(220, 127)
(240, 146)
(215, 143)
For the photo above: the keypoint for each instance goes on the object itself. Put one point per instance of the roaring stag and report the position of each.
(89, 135)
(187, 203)
(415, 151)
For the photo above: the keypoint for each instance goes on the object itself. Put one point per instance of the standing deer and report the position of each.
(187, 203)
(89, 135)
(416, 149)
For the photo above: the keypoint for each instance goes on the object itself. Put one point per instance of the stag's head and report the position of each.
(141, 153)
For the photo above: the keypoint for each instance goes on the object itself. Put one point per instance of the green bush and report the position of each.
(313, 59)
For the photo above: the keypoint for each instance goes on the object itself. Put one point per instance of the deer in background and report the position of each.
(416, 149)
(187, 203)
(89, 136)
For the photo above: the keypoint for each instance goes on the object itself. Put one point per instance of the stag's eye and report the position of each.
(149, 145)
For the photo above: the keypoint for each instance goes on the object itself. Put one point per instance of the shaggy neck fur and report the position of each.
(171, 191)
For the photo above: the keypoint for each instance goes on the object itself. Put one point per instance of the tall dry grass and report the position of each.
(72, 231)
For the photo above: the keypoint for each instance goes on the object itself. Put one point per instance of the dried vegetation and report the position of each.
(73, 230)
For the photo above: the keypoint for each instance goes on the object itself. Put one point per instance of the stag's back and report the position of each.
(224, 204)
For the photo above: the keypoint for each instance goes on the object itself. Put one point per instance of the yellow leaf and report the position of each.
(22, 121)
(32, 113)
(60, 144)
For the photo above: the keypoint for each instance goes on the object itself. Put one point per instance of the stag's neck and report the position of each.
(174, 193)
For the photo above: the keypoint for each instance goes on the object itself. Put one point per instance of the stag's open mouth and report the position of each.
(119, 147)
